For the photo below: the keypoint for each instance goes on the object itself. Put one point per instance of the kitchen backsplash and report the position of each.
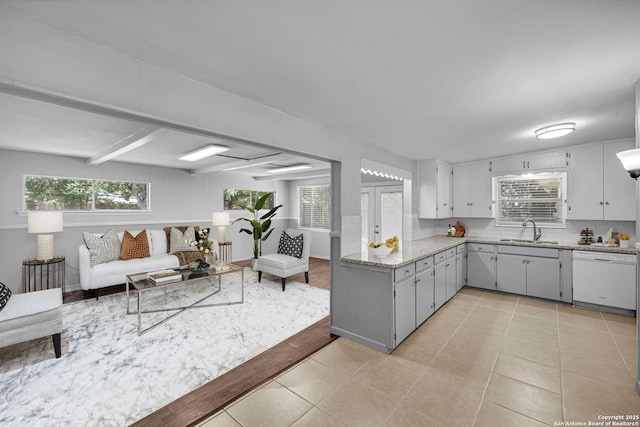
(485, 228)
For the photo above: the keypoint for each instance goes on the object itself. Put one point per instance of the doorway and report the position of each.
(381, 212)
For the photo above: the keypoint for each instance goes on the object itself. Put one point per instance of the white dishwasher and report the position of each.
(605, 278)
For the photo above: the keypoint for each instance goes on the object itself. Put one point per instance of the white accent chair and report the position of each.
(284, 266)
(32, 315)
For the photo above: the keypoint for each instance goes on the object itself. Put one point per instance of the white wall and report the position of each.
(484, 227)
(38, 56)
(177, 198)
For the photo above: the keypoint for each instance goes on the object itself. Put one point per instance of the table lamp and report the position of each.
(221, 220)
(45, 222)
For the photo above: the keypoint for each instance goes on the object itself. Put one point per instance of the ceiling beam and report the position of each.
(131, 142)
(242, 164)
(316, 173)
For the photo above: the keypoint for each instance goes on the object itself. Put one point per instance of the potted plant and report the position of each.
(260, 225)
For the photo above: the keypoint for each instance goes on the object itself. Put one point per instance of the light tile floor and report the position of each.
(483, 359)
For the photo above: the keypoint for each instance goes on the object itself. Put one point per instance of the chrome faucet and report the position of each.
(537, 232)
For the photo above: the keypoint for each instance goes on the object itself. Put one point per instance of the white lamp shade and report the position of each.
(630, 159)
(220, 218)
(44, 221)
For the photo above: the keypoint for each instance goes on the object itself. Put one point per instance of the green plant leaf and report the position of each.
(267, 235)
(260, 202)
(249, 208)
(271, 213)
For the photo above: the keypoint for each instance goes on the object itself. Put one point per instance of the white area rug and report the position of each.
(110, 376)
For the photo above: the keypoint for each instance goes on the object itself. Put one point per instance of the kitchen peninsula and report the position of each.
(378, 302)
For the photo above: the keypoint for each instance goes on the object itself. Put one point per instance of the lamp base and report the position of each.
(221, 233)
(44, 250)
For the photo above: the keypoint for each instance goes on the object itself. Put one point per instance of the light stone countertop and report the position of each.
(417, 249)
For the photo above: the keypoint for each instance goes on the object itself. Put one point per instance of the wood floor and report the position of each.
(213, 396)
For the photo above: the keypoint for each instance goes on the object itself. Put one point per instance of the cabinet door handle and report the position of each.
(601, 203)
(523, 165)
(407, 272)
(447, 265)
(606, 203)
(527, 164)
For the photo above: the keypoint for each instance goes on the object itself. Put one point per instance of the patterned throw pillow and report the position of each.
(134, 247)
(5, 294)
(103, 249)
(179, 240)
(291, 246)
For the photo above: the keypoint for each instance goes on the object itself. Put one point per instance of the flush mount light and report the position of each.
(555, 131)
(289, 169)
(208, 151)
(631, 161)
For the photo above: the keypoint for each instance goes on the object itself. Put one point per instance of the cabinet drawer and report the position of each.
(460, 249)
(451, 253)
(481, 247)
(403, 272)
(424, 264)
(439, 257)
(528, 251)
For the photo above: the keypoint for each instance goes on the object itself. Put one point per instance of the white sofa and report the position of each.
(114, 272)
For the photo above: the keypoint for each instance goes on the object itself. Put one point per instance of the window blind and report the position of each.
(539, 197)
(315, 207)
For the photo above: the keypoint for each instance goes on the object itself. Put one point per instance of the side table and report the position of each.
(225, 251)
(38, 275)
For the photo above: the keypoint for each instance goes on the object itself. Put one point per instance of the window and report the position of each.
(246, 198)
(315, 207)
(74, 194)
(540, 197)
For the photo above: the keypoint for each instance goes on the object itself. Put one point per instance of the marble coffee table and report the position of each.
(178, 296)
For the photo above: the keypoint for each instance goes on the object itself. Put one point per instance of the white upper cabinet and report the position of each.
(434, 186)
(599, 187)
(472, 190)
(531, 162)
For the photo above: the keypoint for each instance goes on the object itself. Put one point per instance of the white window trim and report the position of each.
(541, 175)
(93, 210)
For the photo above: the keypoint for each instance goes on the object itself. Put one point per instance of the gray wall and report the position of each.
(177, 197)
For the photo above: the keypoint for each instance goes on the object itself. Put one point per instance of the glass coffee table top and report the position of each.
(160, 302)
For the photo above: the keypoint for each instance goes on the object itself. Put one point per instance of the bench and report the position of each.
(32, 315)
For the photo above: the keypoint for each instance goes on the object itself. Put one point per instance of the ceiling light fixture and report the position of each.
(208, 151)
(289, 169)
(555, 131)
(631, 161)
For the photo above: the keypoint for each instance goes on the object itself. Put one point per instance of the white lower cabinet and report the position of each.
(481, 266)
(511, 274)
(445, 277)
(424, 295)
(405, 308)
(529, 271)
(543, 278)
(461, 267)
